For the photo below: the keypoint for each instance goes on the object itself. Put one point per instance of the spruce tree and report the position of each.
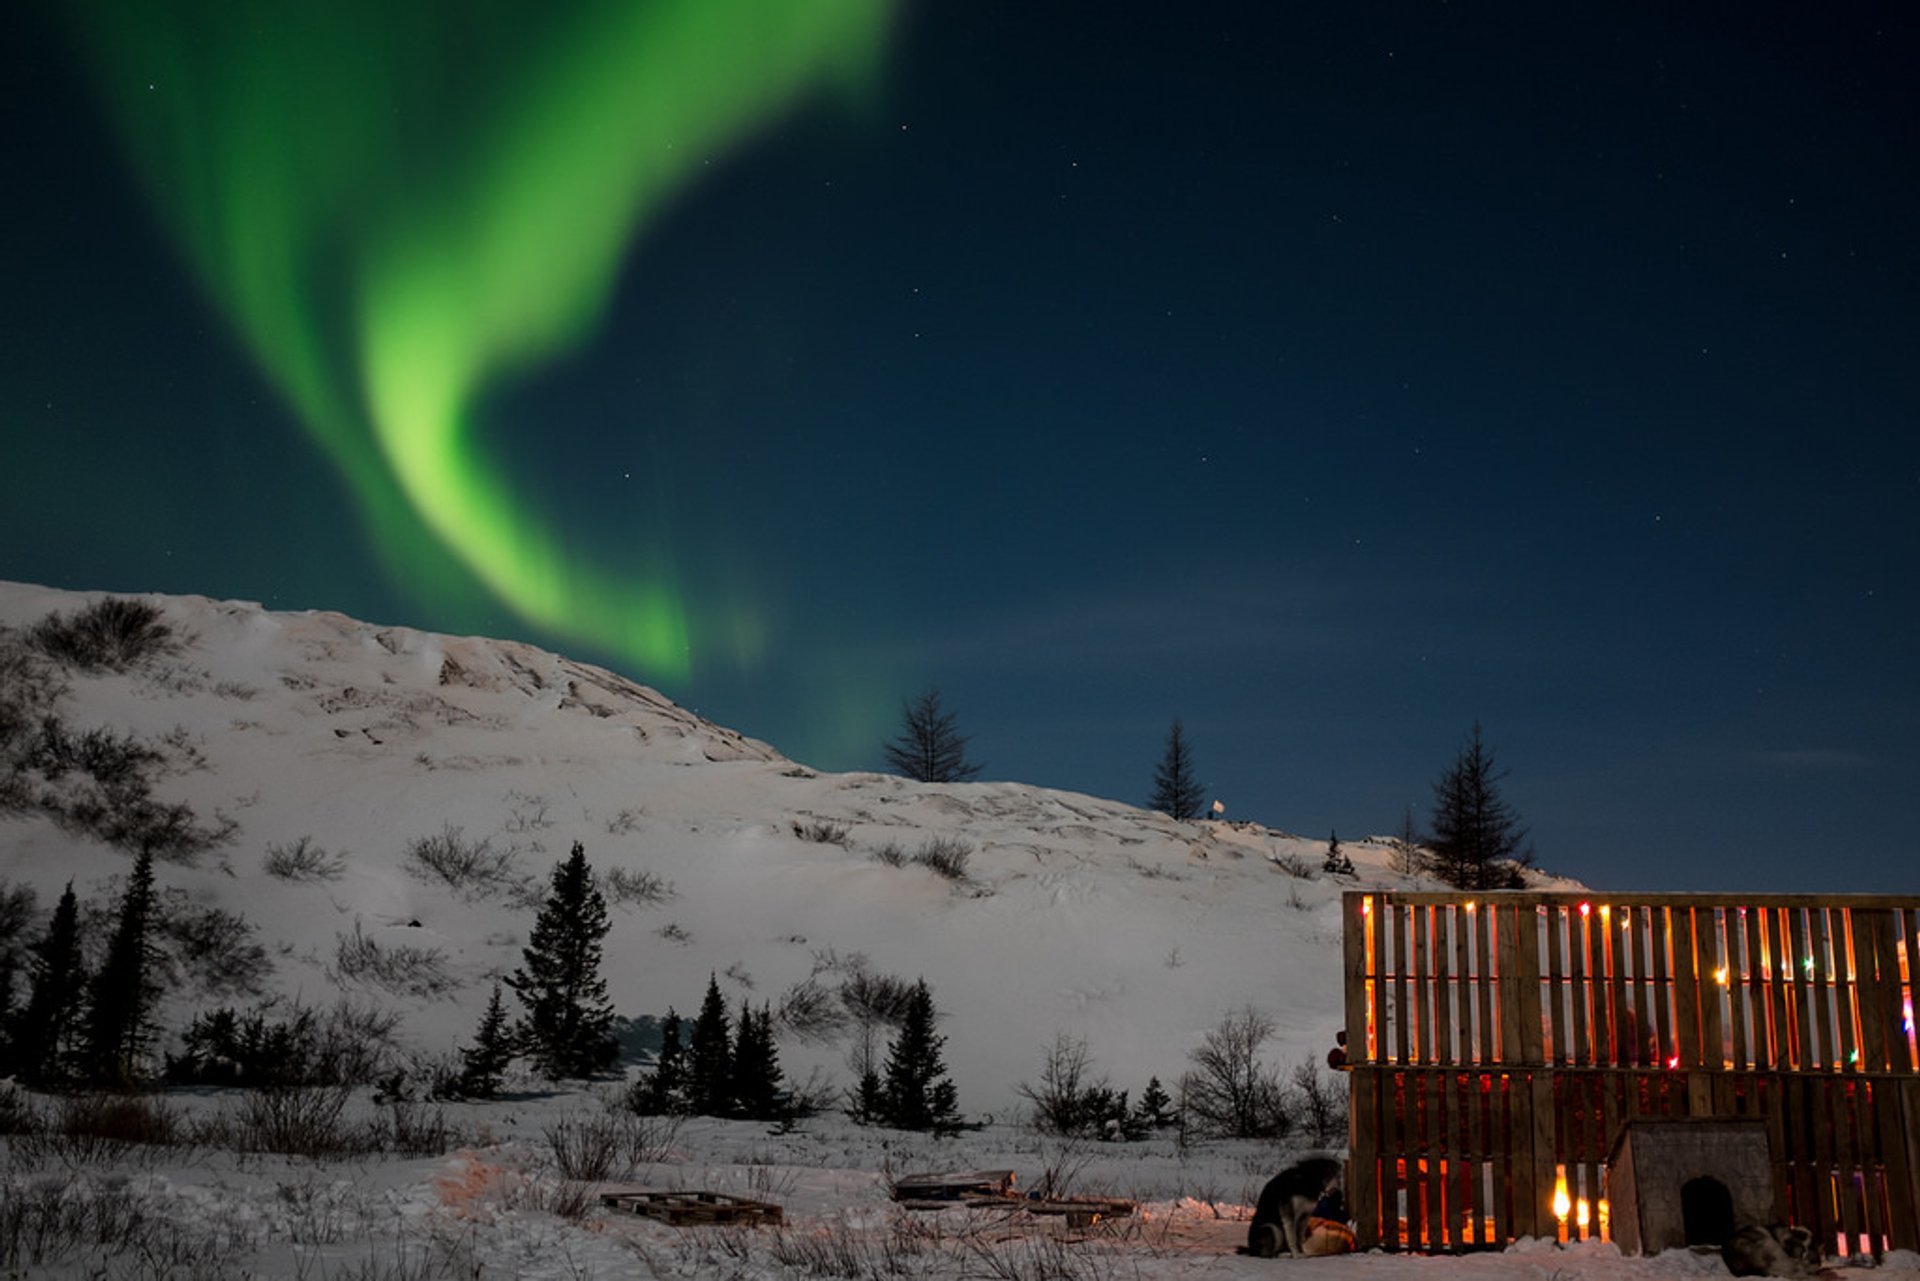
(916, 1094)
(487, 1059)
(663, 1091)
(41, 1041)
(1336, 863)
(710, 1057)
(567, 1029)
(758, 1082)
(126, 989)
(1156, 1110)
(930, 749)
(1176, 792)
(1477, 841)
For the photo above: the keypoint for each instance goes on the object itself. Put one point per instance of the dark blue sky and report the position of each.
(1329, 377)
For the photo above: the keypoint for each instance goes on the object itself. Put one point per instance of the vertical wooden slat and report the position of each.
(1444, 1032)
(1713, 963)
(1780, 995)
(1897, 1121)
(1581, 1051)
(1540, 1154)
(1353, 972)
(1608, 932)
(1773, 1100)
(1365, 1148)
(1662, 1016)
(1474, 1142)
(1799, 1107)
(1486, 1043)
(1737, 987)
(1759, 1019)
(1422, 970)
(1393, 1149)
(1502, 1151)
(1807, 1055)
(1846, 971)
(1402, 928)
(1520, 940)
(1820, 986)
(1556, 990)
(1687, 997)
(1468, 1047)
(1872, 985)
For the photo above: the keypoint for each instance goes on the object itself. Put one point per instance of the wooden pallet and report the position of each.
(938, 1191)
(1081, 1212)
(682, 1209)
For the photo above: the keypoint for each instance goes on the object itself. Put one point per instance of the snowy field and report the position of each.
(496, 1205)
(1074, 916)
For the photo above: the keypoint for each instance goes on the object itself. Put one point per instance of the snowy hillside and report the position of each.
(1074, 915)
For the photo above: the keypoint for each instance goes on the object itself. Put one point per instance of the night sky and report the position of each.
(1327, 376)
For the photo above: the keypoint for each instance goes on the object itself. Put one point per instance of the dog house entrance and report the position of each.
(1706, 1211)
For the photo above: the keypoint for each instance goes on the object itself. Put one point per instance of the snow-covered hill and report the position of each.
(1075, 915)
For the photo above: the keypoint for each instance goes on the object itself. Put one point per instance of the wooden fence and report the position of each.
(1498, 1042)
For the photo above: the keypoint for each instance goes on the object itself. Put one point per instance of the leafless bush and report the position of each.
(891, 854)
(609, 1145)
(1066, 1079)
(306, 1120)
(91, 1227)
(1293, 865)
(636, 886)
(474, 869)
(302, 860)
(1229, 1093)
(946, 856)
(400, 968)
(1320, 1101)
(820, 830)
(809, 1012)
(214, 948)
(112, 633)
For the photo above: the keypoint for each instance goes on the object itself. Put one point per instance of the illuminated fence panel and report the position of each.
(1509, 1037)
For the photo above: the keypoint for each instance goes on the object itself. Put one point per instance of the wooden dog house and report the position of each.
(1500, 1043)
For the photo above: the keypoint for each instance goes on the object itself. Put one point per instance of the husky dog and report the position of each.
(1771, 1250)
(1280, 1217)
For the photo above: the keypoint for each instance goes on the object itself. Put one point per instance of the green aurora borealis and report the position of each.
(398, 207)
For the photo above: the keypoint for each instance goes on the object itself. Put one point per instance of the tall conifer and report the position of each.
(567, 1029)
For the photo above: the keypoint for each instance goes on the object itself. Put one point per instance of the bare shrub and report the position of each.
(637, 887)
(306, 1120)
(1320, 1101)
(1293, 865)
(891, 854)
(400, 968)
(94, 1227)
(1229, 1093)
(821, 831)
(609, 1145)
(472, 868)
(417, 1129)
(809, 1012)
(112, 633)
(302, 860)
(945, 855)
(102, 1128)
(1069, 1100)
(214, 948)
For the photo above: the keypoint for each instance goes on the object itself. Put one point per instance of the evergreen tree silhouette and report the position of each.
(125, 990)
(916, 1094)
(710, 1057)
(930, 749)
(758, 1082)
(1176, 792)
(40, 1044)
(567, 1029)
(663, 1091)
(1477, 841)
(487, 1059)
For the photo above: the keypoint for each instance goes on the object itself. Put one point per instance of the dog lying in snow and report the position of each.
(1290, 1198)
(1771, 1250)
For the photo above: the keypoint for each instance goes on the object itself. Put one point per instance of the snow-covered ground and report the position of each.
(1076, 916)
